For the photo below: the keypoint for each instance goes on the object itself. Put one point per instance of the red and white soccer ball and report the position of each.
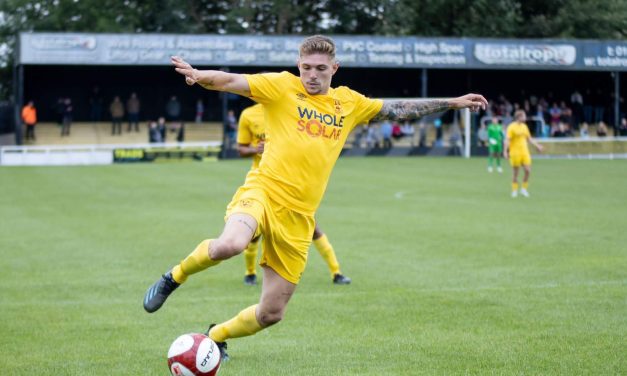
(194, 354)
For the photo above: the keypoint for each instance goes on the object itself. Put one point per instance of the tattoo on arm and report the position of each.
(410, 109)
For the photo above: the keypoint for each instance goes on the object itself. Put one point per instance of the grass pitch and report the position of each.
(450, 274)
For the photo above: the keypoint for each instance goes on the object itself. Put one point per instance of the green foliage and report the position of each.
(451, 276)
(454, 18)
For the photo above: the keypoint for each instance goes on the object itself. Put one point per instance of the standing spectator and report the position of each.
(95, 105)
(161, 127)
(408, 131)
(622, 129)
(422, 134)
(67, 117)
(397, 133)
(556, 113)
(29, 117)
(173, 110)
(116, 108)
(231, 128)
(386, 134)
(132, 108)
(437, 123)
(200, 111)
(576, 103)
(482, 135)
(59, 108)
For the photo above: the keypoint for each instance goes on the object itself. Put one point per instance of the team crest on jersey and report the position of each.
(301, 96)
(246, 203)
(338, 106)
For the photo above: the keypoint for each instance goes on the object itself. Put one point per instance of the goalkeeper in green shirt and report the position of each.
(495, 145)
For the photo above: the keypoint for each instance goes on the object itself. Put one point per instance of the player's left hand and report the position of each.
(474, 102)
(184, 68)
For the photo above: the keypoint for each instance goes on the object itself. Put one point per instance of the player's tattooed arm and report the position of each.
(410, 109)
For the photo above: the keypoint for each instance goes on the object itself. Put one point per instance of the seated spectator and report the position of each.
(561, 130)
(583, 130)
(601, 129)
(622, 128)
(386, 134)
(154, 135)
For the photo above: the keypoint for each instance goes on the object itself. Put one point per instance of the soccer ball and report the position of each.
(194, 354)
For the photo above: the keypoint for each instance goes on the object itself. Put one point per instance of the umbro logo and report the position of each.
(301, 96)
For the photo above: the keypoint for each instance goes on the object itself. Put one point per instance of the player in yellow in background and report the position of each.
(251, 138)
(517, 150)
(309, 122)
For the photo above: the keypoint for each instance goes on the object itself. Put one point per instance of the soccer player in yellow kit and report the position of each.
(251, 138)
(517, 150)
(309, 122)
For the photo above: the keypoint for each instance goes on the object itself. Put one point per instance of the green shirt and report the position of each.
(495, 134)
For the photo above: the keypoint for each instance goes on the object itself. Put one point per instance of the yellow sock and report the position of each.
(250, 257)
(242, 325)
(328, 254)
(196, 261)
(514, 187)
(525, 184)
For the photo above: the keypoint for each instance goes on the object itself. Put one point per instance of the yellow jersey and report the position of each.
(517, 134)
(251, 129)
(307, 135)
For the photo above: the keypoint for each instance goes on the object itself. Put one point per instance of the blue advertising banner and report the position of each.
(352, 51)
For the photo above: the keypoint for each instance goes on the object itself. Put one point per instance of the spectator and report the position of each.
(116, 108)
(583, 130)
(555, 112)
(622, 129)
(200, 111)
(59, 109)
(560, 130)
(437, 123)
(95, 105)
(408, 130)
(173, 110)
(422, 135)
(482, 135)
(386, 134)
(397, 133)
(67, 117)
(601, 129)
(576, 103)
(372, 140)
(132, 108)
(162, 128)
(231, 128)
(29, 117)
(154, 135)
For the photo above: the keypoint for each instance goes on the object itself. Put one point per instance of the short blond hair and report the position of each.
(519, 114)
(317, 44)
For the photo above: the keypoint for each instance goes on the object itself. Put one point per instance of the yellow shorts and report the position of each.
(286, 233)
(520, 159)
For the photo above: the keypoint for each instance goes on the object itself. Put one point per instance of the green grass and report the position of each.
(450, 275)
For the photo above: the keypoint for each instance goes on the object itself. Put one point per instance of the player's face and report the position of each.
(316, 72)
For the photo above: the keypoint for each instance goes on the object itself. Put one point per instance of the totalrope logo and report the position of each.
(525, 54)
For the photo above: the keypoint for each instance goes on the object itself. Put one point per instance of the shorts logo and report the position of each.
(301, 96)
(246, 203)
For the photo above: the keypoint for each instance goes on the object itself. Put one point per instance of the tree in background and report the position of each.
(451, 18)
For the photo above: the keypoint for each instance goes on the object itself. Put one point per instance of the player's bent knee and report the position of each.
(270, 318)
(225, 248)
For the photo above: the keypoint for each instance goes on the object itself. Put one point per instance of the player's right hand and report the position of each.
(260, 147)
(184, 68)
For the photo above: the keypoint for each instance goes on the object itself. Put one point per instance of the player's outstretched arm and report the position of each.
(212, 79)
(410, 109)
